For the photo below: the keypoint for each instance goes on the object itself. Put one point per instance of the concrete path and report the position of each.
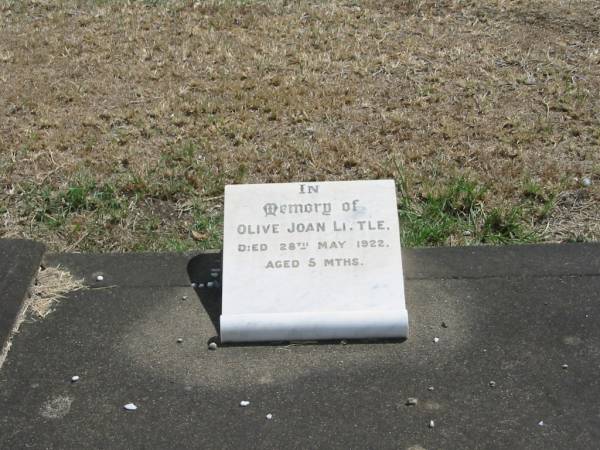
(515, 364)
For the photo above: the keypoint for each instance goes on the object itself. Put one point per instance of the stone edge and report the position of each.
(22, 277)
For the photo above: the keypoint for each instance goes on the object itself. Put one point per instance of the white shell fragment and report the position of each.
(585, 181)
(244, 403)
(430, 388)
(130, 407)
(184, 297)
(99, 278)
(431, 424)
(492, 384)
(75, 378)
(269, 416)
(411, 401)
(565, 366)
(212, 346)
(436, 339)
(541, 423)
(179, 340)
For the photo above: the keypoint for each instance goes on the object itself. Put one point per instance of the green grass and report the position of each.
(456, 213)
(141, 209)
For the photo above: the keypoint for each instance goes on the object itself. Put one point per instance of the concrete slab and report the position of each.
(516, 329)
(138, 269)
(507, 261)
(19, 262)
(151, 269)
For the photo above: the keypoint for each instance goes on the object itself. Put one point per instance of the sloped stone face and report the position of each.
(19, 262)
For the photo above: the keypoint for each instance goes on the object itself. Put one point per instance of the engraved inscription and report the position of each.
(332, 232)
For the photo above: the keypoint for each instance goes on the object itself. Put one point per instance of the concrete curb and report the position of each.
(19, 262)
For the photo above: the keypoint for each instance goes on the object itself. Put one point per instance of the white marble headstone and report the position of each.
(308, 261)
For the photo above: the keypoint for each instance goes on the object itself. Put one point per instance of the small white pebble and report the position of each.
(565, 366)
(244, 403)
(431, 424)
(585, 181)
(179, 340)
(541, 423)
(212, 346)
(130, 407)
(492, 384)
(430, 388)
(436, 339)
(75, 378)
(466, 233)
(269, 416)
(411, 401)
(184, 297)
(99, 278)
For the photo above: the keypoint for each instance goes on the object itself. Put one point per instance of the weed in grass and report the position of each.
(532, 190)
(207, 227)
(502, 227)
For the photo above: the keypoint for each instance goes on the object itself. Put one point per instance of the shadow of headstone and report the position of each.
(204, 271)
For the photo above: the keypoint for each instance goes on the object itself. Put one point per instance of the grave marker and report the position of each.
(307, 261)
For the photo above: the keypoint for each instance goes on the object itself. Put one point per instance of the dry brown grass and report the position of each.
(503, 92)
(50, 286)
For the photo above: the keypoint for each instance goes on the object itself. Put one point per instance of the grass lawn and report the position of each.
(121, 121)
